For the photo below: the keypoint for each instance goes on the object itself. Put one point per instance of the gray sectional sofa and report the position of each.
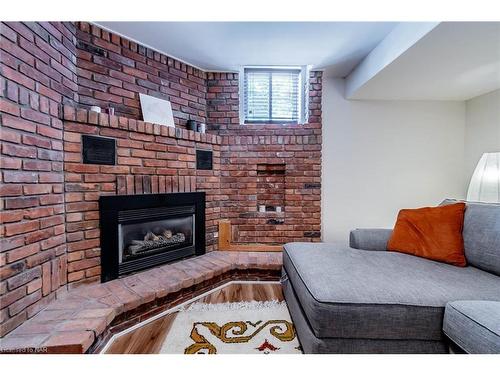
(363, 299)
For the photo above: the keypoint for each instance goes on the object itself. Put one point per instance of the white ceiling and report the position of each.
(224, 46)
(454, 61)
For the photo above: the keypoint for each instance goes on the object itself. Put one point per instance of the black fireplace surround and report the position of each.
(142, 231)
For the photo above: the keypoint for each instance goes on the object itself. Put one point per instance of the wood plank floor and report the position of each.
(147, 339)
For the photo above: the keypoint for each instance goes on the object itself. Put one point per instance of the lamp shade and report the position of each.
(485, 182)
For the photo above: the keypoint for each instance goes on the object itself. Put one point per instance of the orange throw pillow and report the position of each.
(431, 232)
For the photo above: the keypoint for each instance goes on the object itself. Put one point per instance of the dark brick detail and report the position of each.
(312, 234)
(276, 221)
(90, 48)
(312, 186)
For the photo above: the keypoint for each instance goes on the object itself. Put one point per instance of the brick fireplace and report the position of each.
(150, 159)
(51, 73)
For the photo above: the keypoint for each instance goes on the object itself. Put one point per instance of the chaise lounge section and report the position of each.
(474, 326)
(363, 299)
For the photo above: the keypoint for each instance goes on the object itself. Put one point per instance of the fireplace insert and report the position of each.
(141, 231)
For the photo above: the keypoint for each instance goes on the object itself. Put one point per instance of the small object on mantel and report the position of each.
(262, 208)
(202, 128)
(156, 110)
(192, 125)
(278, 208)
(111, 111)
(95, 108)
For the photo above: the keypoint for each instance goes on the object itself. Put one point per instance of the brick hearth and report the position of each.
(50, 75)
(85, 318)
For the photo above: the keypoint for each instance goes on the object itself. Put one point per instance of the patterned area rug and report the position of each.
(233, 328)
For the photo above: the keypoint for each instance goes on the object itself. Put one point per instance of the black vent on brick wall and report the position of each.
(98, 150)
(312, 234)
(204, 159)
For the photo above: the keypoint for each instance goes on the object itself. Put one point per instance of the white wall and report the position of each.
(482, 129)
(400, 39)
(380, 156)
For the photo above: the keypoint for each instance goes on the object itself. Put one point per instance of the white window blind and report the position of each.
(272, 95)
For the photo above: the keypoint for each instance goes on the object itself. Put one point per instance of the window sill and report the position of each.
(273, 123)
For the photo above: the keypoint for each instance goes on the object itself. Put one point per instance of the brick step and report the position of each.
(86, 316)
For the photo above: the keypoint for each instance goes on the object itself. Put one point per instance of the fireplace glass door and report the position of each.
(146, 230)
(149, 236)
(142, 239)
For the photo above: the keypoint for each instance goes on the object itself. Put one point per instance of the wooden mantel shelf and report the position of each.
(225, 243)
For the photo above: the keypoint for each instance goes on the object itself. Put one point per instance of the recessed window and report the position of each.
(273, 95)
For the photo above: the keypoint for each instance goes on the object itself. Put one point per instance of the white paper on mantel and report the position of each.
(156, 111)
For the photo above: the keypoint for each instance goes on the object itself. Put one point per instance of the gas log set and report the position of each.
(152, 242)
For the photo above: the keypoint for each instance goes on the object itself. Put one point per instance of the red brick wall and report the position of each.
(315, 94)
(49, 218)
(38, 73)
(150, 159)
(297, 149)
(113, 71)
(222, 100)
(249, 152)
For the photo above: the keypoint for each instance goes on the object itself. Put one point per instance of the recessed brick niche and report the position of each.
(271, 186)
(50, 75)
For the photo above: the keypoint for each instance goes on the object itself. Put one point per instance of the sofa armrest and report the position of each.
(370, 239)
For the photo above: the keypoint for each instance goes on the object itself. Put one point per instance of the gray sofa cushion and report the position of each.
(369, 239)
(482, 235)
(312, 344)
(474, 325)
(349, 293)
